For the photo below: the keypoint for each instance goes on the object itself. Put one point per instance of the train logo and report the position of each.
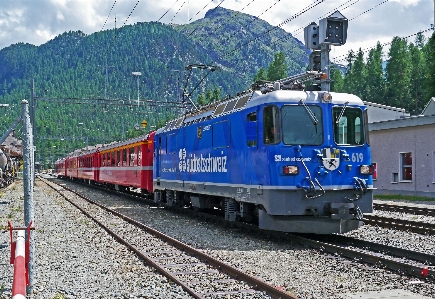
(331, 158)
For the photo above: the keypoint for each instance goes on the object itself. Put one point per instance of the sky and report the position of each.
(38, 21)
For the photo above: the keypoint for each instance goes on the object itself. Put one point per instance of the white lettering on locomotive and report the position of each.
(200, 163)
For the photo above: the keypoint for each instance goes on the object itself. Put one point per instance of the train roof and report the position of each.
(309, 97)
(103, 147)
(251, 98)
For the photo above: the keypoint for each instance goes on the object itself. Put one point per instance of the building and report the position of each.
(403, 151)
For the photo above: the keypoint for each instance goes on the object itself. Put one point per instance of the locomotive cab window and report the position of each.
(348, 125)
(271, 133)
(302, 125)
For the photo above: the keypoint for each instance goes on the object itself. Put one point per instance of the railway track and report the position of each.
(386, 257)
(401, 224)
(404, 209)
(404, 261)
(199, 274)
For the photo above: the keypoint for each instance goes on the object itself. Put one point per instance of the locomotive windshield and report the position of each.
(348, 125)
(300, 127)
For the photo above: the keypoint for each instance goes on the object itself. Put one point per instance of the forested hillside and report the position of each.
(240, 47)
(74, 65)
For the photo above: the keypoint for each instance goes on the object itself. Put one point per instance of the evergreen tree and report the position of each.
(348, 77)
(375, 82)
(277, 68)
(418, 72)
(201, 99)
(359, 75)
(216, 94)
(337, 84)
(420, 40)
(398, 74)
(429, 52)
(261, 75)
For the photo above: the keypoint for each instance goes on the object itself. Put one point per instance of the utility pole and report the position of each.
(106, 83)
(137, 74)
(28, 178)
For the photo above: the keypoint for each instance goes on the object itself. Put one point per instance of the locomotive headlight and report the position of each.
(366, 169)
(327, 97)
(290, 170)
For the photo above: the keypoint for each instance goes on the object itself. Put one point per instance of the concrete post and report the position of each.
(28, 184)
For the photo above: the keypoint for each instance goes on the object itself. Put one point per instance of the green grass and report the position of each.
(404, 197)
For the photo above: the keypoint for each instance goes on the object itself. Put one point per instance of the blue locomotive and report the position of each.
(293, 160)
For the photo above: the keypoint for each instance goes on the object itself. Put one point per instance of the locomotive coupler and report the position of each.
(342, 211)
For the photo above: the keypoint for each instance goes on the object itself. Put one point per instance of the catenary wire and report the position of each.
(167, 11)
(108, 16)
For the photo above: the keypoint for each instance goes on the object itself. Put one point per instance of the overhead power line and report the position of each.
(170, 22)
(232, 17)
(193, 31)
(200, 10)
(368, 10)
(297, 31)
(275, 27)
(131, 12)
(167, 11)
(108, 16)
(349, 5)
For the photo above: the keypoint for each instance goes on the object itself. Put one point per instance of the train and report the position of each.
(286, 159)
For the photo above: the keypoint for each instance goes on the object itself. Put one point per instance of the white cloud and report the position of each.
(41, 20)
(60, 16)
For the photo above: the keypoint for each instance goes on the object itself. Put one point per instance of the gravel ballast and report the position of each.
(76, 258)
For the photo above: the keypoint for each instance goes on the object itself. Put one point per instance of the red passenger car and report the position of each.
(87, 166)
(59, 168)
(71, 167)
(127, 164)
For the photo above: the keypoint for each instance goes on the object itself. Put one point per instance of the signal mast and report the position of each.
(331, 31)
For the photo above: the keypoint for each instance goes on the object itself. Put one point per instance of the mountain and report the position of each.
(74, 65)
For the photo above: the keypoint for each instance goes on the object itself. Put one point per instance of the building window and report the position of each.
(406, 166)
(395, 177)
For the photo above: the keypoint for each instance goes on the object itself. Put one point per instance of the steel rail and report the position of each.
(384, 249)
(255, 283)
(127, 244)
(401, 224)
(420, 271)
(404, 209)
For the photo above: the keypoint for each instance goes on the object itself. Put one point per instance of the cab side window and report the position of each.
(271, 121)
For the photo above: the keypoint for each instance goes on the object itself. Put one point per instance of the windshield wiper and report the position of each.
(342, 112)
(310, 113)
